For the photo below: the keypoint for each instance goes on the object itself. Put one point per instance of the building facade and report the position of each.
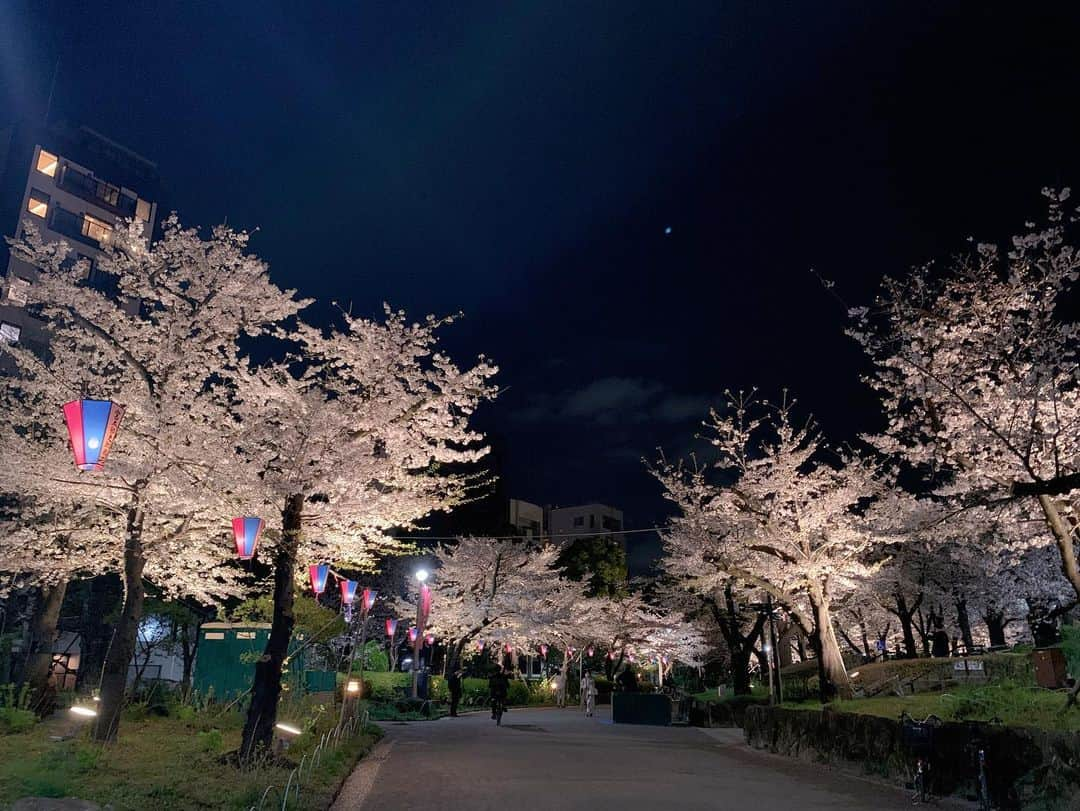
(567, 523)
(75, 185)
(526, 519)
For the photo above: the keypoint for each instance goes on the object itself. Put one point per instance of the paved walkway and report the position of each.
(557, 759)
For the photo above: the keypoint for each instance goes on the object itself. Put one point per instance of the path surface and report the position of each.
(548, 758)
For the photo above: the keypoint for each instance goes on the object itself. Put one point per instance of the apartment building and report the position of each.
(73, 184)
(567, 523)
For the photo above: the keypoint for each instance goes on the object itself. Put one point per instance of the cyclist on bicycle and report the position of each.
(499, 688)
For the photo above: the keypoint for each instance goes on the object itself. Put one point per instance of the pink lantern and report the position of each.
(543, 651)
(508, 648)
(630, 656)
(246, 532)
(348, 591)
(480, 646)
(92, 427)
(414, 632)
(663, 660)
(430, 639)
(391, 627)
(367, 600)
(591, 651)
(611, 654)
(318, 576)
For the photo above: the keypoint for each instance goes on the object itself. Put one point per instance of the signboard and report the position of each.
(966, 664)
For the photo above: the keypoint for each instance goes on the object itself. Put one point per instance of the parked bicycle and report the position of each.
(918, 738)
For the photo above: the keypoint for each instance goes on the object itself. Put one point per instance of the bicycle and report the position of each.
(498, 707)
(918, 736)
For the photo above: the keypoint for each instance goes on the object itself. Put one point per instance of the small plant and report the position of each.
(210, 741)
(14, 720)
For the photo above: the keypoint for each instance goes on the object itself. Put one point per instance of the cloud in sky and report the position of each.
(617, 400)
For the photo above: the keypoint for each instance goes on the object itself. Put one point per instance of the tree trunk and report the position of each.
(740, 672)
(104, 597)
(39, 658)
(783, 651)
(125, 632)
(995, 627)
(189, 645)
(258, 736)
(905, 614)
(831, 669)
(1063, 536)
(964, 621)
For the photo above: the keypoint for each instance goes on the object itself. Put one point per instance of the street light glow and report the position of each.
(288, 728)
(421, 575)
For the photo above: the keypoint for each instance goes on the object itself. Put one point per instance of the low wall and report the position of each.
(1023, 764)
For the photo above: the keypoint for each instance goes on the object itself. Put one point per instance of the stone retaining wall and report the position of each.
(1025, 765)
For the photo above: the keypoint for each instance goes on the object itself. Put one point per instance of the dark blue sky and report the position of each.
(520, 162)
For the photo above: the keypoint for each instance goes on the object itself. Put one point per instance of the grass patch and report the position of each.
(166, 763)
(1015, 704)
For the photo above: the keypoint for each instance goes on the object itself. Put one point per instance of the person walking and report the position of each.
(560, 688)
(588, 690)
(454, 684)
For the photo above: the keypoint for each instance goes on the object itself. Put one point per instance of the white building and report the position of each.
(587, 520)
(526, 519)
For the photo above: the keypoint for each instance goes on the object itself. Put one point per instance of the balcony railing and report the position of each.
(71, 225)
(96, 191)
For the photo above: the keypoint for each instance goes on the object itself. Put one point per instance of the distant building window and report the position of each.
(96, 229)
(47, 163)
(9, 333)
(579, 520)
(142, 209)
(18, 290)
(38, 204)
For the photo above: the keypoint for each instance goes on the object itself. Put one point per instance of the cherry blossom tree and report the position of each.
(352, 433)
(155, 348)
(977, 371)
(782, 512)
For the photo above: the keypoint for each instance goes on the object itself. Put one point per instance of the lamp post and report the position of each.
(423, 606)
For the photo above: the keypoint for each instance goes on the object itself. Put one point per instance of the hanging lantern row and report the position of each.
(391, 628)
(318, 576)
(246, 534)
(92, 427)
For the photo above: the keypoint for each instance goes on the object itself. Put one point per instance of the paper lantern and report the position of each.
(391, 628)
(318, 578)
(246, 532)
(591, 650)
(480, 646)
(543, 651)
(508, 648)
(367, 600)
(413, 634)
(663, 660)
(92, 427)
(430, 639)
(611, 654)
(348, 591)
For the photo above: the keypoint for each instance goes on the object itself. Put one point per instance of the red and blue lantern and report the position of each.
(391, 627)
(591, 651)
(92, 427)
(246, 532)
(543, 651)
(367, 600)
(430, 639)
(348, 591)
(413, 634)
(318, 576)
(480, 646)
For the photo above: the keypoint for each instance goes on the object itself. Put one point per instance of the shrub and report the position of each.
(519, 693)
(13, 720)
(136, 711)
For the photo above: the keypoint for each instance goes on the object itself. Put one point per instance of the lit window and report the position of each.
(18, 290)
(9, 333)
(47, 163)
(96, 229)
(142, 210)
(38, 204)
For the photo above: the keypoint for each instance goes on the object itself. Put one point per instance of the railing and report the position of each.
(96, 191)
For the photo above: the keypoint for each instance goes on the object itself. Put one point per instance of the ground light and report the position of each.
(353, 686)
(287, 728)
(85, 712)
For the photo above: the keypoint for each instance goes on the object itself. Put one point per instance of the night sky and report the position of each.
(522, 162)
